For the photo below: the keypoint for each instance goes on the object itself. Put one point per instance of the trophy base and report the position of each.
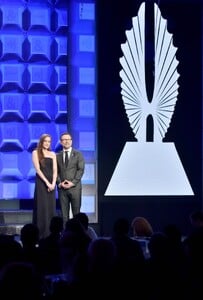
(149, 169)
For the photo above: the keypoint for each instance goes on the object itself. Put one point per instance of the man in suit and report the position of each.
(71, 167)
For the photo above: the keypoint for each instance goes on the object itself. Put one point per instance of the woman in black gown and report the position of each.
(44, 161)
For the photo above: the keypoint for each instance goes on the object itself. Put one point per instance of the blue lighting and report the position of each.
(47, 84)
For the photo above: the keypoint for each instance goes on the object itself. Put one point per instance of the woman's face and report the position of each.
(46, 143)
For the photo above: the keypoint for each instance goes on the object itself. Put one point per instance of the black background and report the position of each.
(184, 21)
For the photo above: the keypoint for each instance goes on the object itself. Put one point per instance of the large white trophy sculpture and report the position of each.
(149, 167)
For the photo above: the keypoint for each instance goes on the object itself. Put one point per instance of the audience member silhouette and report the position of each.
(130, 257)
(196, 219)
(102, 255)
(84, 220)
(174, 236)
(29, 237)
(73, 249)
(141, 227)
(193, 246)
(10, 250)
(74, 244)
(128, 249)
(166, 276)
(20, 280)
(50, 249)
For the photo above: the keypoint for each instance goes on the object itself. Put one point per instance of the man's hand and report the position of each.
(66, 184)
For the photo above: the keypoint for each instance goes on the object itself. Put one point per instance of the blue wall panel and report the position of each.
(42, 43)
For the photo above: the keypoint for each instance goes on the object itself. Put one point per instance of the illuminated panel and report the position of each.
(86, 76)
(11, 76)
(89, 175)
(11, 47)
(12, 136)
(10, 167)
(87, 108)
(40, 78)
(11, 107)
(39, 48)
(87, 141)
(40, 108)
(88, 206)
(83, 96)
(9, 190)
(40, 16)
(12, 15)
(87, 43)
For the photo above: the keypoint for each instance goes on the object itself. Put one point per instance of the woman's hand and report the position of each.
(51, 186)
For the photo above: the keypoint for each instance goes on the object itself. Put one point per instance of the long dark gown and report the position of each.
(44, 202)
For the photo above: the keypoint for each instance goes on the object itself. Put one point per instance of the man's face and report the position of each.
(66, 141)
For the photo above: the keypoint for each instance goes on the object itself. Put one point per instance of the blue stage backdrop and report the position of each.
(47, 85)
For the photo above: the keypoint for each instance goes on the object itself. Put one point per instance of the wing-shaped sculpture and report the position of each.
(133, 85)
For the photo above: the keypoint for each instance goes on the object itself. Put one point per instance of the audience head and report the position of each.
(29, 235)
(173, 233)
(121, 226)
(141, 227)
(75, 236)
(194, 245)
(83, 219)
(74, 226)
(102, 254)
(196, 219)
(56, 224)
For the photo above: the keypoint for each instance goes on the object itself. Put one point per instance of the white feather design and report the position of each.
(133, 85)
